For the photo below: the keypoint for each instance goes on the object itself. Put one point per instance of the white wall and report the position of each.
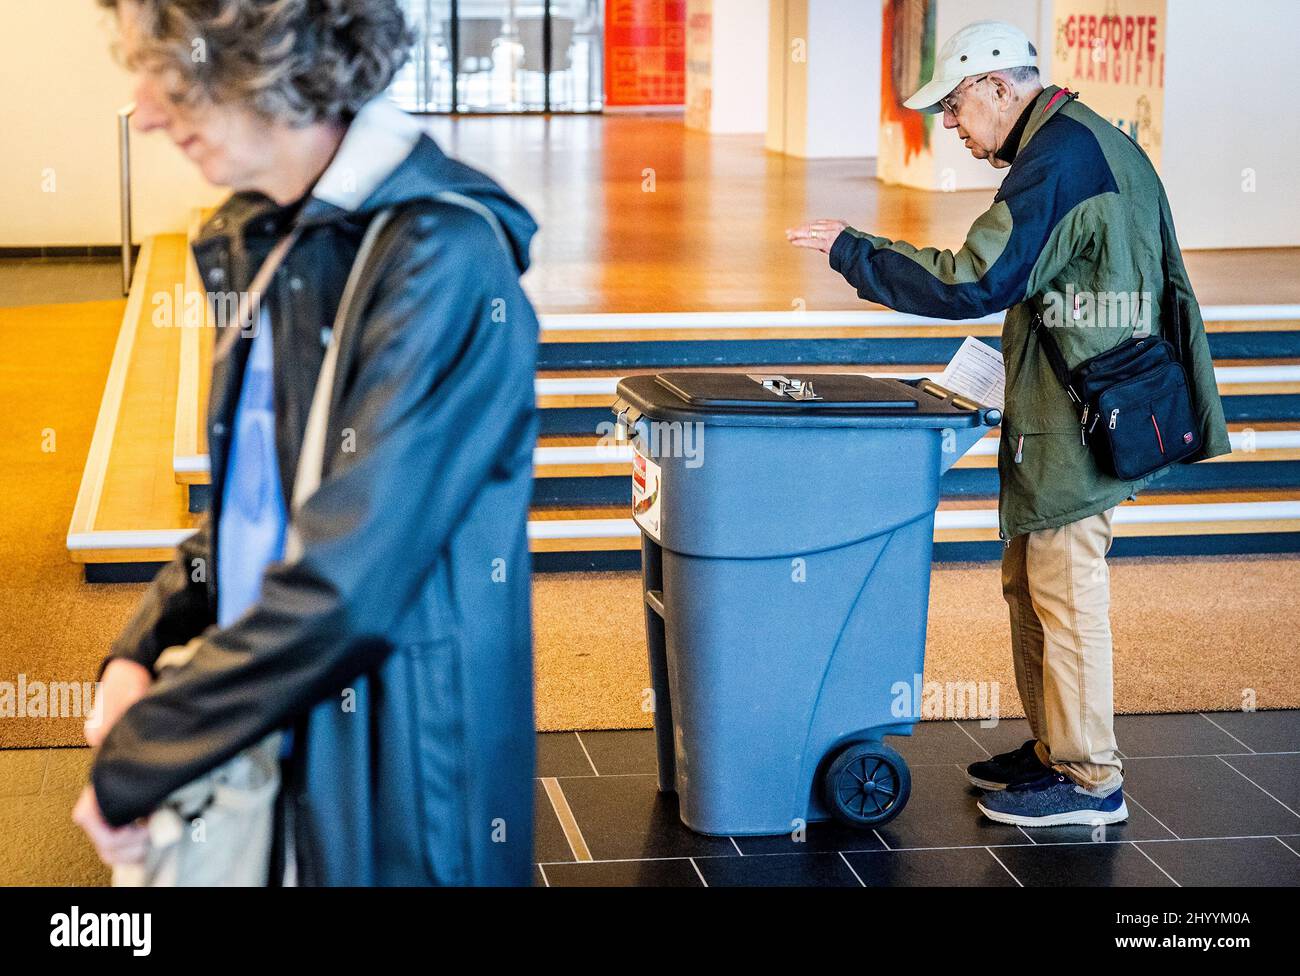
(1231, 82)
(60, 91)
(844, 38)
(824, 77)
(739, 66)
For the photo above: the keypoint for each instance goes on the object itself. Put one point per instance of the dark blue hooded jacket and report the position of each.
(398, 647)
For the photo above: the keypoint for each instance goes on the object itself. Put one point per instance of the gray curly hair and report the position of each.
(296, 61)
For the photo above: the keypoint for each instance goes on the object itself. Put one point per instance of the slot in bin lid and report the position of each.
(795, 398)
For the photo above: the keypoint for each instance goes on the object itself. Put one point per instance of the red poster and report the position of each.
(645, 52)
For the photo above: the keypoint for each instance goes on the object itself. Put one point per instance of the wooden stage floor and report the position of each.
(640, 215)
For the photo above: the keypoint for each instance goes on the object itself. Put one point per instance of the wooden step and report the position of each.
(598, 388)
(610, 528)
(1261, 380)
(1154, 514)
(149, 446)
(194, 371)
(129, 507)
(845, 324)
(569, 389)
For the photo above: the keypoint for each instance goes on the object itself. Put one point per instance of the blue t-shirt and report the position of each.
(251, 530)
(250, 536)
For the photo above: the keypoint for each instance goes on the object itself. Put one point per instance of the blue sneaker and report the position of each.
(1051, 801)
(1008, 769)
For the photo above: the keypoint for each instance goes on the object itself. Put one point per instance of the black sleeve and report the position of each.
(174, 609)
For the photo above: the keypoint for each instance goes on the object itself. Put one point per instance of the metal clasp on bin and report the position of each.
(625, 419)
(784, 386)
(989, 416)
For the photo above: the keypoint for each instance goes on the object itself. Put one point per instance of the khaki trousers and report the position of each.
(1057, 586)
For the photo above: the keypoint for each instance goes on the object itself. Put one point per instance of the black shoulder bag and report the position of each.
(1134, 401)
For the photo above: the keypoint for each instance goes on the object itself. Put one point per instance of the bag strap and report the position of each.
(311, 459)
(1059, 366)
(1174, 314)
(1172, 317)
(250, 301)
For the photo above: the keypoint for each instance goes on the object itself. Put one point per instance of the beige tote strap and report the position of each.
(311, 460)
(250, 302)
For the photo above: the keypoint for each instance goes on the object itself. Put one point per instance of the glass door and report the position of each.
(425, 83)
(577, 74)
(510, 56)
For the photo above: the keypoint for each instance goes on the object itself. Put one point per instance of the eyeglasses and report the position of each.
(951, 107)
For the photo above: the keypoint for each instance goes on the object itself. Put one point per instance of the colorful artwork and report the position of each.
(907, 64)
(645, 52)
(908, 53)
(1112, 52)
(699, 64)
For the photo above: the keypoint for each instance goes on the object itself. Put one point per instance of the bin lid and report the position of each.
(788, 392)
(796, 399)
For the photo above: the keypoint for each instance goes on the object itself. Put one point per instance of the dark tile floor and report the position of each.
(1214, 799)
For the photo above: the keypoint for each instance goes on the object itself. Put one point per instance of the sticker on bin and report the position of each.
(646, 494)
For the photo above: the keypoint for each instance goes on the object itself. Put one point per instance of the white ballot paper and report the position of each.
(976, 373)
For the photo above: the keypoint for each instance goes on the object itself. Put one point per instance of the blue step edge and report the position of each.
(1245, 543)
(594, 490)
(643, 355)
(1259, 408)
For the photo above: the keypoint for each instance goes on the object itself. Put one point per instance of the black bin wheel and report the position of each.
(867, 785)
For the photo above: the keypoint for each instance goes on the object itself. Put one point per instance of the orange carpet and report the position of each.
(54, 626)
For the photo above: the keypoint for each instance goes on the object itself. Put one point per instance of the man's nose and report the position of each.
(949, 120)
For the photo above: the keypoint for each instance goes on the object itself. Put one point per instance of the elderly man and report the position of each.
(1079, 214)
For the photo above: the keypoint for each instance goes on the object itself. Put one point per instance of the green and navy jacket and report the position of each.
(1078, 212)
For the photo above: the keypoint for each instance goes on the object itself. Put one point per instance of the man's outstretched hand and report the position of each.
(818, 235)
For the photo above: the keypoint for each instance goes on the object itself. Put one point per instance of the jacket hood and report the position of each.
(385, 159)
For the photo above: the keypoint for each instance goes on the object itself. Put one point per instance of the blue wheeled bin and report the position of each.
(787, 530)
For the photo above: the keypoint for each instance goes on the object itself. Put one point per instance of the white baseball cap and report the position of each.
(986, 45)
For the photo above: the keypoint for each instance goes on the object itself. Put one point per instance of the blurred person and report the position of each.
(1080, 210)
(395, 650)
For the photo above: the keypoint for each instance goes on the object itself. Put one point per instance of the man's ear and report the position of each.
(1002, 91)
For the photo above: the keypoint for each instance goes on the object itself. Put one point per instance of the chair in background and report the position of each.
(476, 38)
(532, 38)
